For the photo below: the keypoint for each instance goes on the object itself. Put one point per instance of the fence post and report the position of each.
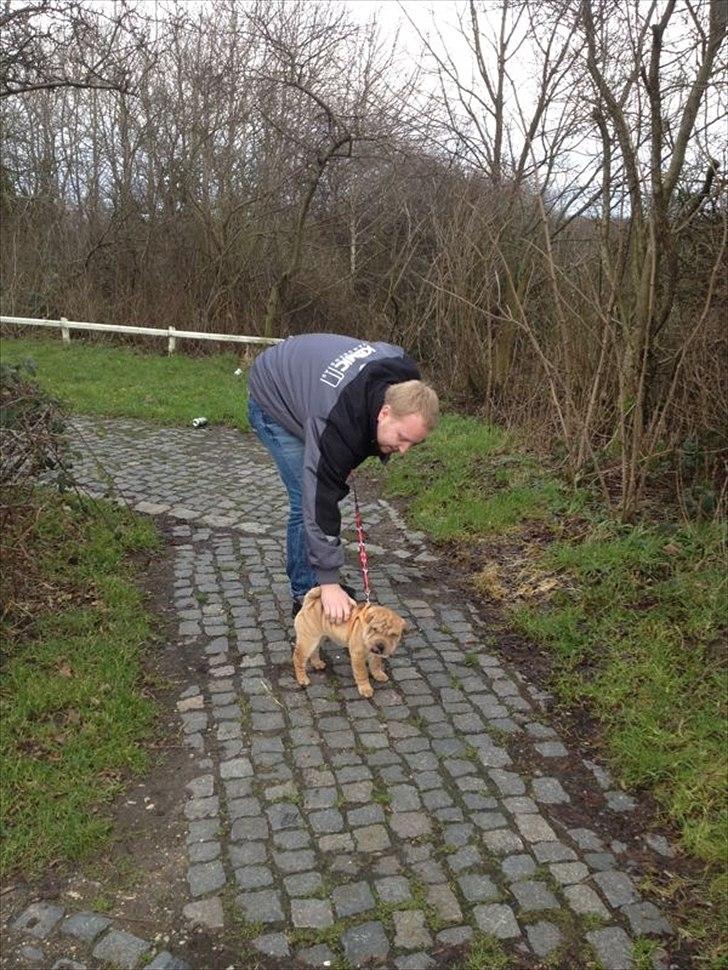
(65, 332)
(171, 343)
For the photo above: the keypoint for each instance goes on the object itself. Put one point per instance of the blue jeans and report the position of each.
(287, 452)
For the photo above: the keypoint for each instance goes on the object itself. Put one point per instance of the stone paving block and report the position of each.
(33, 956)
(165, 961)
(371, 838)
(365, 942)
(352, 898)
(617, 887)
(272, 945)
(457, 835)
(341, 842)
(549, 791)
(316, 956)
(445, 903)
(65, 964)
(646, 920)
(253, 877)
(122, 950)
(393, 889)
(466, 858)
(477, 889)
(328, 820)
(303, 883)
(567, 873)
(498, 920)
(553, 852)
(367, 815)
(205, 878)
(517, 867)
(39, 919)
(534, 828)
(520, 805)
(410, 932)
(311, 913)
(317, 798)
(586, 839)
(205, 912)
(247, 854)
(263, 906)
(84, 926)
(533, 895)
(243, 808)
(415, 961)
(544, 937)
(204, 851)
(584, 901)
(613, 948)
(455, 935)
(490, 820)
(198, 808)
(502, 841)
(292, 839)
(284, 815)
(410, 825)
(620, 801)
(296, 860)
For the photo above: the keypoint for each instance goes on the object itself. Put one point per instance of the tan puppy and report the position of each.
(370, 633)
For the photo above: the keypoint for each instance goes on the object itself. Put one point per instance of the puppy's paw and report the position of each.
(380, 676)
(366, 690)
(303, 681)
(318, 664)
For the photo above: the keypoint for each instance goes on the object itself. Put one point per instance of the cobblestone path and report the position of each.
(342, 829)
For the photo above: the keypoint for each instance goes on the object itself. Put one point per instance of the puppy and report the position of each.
(370, 633)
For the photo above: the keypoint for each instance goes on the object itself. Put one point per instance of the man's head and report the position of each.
(408, 415)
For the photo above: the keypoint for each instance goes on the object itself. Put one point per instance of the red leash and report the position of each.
(363, 558)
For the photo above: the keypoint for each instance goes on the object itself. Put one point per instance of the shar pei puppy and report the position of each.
(371, 633)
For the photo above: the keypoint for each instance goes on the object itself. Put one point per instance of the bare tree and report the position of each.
(49, 44)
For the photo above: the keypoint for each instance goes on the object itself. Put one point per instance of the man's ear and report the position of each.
(384, 412)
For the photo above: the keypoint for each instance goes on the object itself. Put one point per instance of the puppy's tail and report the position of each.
(312, 594)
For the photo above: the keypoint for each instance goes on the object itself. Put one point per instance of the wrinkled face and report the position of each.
(383, 630)
(399, 434)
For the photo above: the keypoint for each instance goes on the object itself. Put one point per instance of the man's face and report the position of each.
(399, 434)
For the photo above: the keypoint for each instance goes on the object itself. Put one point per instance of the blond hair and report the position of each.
(413, 397)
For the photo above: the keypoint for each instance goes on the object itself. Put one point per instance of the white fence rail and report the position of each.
(172, 335)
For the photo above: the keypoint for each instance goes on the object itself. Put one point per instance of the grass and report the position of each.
(466, 482)
(112, 381)
(74, 714)
(645, 623)
(486, 953)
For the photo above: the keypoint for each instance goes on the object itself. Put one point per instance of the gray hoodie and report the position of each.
(327, 390)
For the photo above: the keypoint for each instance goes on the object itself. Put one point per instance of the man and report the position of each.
(321, 404)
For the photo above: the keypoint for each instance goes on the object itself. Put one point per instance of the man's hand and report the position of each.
(336, 603)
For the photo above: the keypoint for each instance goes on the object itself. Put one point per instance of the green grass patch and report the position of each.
(116, 382)
(465, 482)
(486, 953)
(641, 639)
(74, 713)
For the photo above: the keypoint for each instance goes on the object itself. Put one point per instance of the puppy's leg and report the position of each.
(317, 662)
(375, 665)
(357, 654)
(306, 645)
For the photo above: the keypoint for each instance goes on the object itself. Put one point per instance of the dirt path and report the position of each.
(282, 827)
